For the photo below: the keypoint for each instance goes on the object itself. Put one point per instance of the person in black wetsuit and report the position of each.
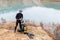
(19, 17)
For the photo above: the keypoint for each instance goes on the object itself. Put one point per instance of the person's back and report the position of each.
(19, 15)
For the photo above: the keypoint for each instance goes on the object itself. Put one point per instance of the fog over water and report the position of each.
(37, 14)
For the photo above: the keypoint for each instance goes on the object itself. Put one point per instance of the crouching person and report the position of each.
(23, 27)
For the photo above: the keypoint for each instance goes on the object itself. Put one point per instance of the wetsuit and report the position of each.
(18, 17)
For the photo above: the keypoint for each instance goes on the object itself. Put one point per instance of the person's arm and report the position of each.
(22, 15)
(16, 16)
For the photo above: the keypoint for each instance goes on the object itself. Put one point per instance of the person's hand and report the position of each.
(21, 18)
(17, 19)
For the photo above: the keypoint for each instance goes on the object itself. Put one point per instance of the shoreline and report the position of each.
(11, 24)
